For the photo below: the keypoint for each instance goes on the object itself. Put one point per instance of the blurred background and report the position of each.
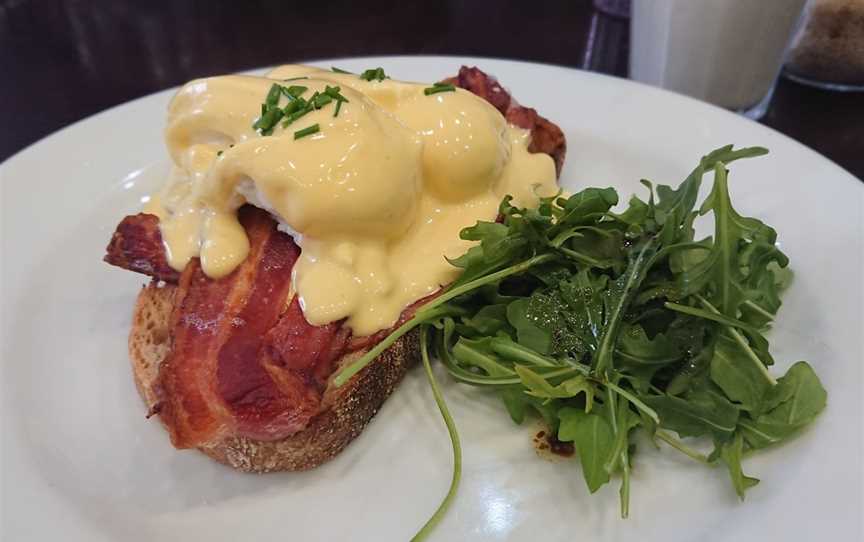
(63, 60)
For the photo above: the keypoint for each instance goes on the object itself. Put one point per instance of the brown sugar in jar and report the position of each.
(829, 50)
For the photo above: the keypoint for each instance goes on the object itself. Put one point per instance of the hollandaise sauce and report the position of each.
(374, 182)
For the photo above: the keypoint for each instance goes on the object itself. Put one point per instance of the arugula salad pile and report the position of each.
(607, 324)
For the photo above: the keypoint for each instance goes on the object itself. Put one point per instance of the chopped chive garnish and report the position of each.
(268, 121)
(374, 74)
(338, 70)
(295, 78)
(294, 91)
(294, 106)
(307, 131)
(297, 106)
(300, 113)
(439, 87)
(218, 153)
(313, 99)
(335, 93)
(321, 100)
(296, 115)
(273, 96)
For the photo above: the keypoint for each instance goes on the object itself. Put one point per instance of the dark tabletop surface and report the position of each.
(63, 60)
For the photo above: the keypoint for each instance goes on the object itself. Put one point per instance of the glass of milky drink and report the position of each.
(727, 52)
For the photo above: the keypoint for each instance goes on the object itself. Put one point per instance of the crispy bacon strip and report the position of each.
(487, 87)
(190, 407)
(306, 350)
(545, 136)
(137, 246)
(266, 400)
(225, 374)
(203, 317)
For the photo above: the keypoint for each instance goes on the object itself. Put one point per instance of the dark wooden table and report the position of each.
(63, 60)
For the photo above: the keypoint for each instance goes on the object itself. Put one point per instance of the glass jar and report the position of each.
(828, 51)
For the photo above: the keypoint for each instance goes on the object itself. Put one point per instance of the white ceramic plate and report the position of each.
(80, 462)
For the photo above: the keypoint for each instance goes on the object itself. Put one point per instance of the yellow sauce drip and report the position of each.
(375, 199)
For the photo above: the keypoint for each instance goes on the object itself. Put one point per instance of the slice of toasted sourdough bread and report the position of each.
(344, 413)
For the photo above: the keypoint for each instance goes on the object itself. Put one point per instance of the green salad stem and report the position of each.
(428, 312)
(678, 445)
(454, 440)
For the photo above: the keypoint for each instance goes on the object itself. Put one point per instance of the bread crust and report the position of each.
(344, 413)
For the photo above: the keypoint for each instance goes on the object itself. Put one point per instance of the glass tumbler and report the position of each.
(727, 52)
